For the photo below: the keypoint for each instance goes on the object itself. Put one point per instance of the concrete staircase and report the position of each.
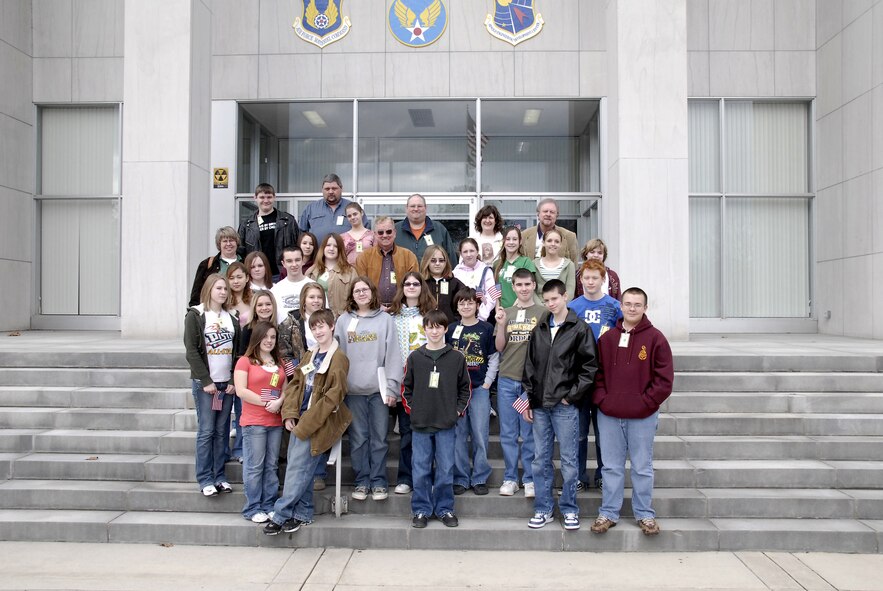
(759, 452)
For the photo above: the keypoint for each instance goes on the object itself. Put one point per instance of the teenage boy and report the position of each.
(474, 338)
(600, 312)
(268, 229)
(635, 378)
(435, 393)
(315, 414)
(558, 372)
(513, 329)
(287, 291)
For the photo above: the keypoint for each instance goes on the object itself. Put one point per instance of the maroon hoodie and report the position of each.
(633, 381)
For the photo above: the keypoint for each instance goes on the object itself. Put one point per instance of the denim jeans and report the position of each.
(233, 422)
(632, 438)
(367, 435)
(561, 421)
(322, 467)
(512, 424)
(588, 417)
(474, 424)
(404, 474)
(212, 434)
(433, 495)
(261, 448)
(297, 495)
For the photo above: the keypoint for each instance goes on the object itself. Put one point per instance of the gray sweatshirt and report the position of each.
(373, 344)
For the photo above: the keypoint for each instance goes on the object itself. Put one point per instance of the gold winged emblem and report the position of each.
(407, 16)
(312, 13)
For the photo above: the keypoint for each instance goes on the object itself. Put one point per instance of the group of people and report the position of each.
(330, 325)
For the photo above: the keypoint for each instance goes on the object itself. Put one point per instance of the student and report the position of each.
(558, 371)
(513, 329)
(436, 270)
(314, 413)
(600, 312)
(597, 250)
(268, 229)
(308, 247)
(333, 272)
(635, 377)
(475, 274)
(435, 392)
(511, 259)
(475, 339)
(358, 238)
(287, 291)
(258, 270)
(551, 265)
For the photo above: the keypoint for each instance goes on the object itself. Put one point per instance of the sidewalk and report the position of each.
(38, 565)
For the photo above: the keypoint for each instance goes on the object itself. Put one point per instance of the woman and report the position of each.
(368, 338)
(411, 302)
(227, 241)
(513, 258)
(263, 307)
(334, 273)
(359, 238)
(258, 270)
(308, 244)
(551, 265)
(240, 290)
(596, 249)
(475, 274)
(260, 382)
(211, 339)
(488, 224)
(436, 270)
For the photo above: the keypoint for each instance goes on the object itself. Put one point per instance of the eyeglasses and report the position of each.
(383, 232)
(361, 291)
(436, 260)
(633, 306)
(411, 284)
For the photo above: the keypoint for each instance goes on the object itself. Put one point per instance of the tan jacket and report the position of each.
(370, 262)
(338, 288)
(571, 246)
(327, 418)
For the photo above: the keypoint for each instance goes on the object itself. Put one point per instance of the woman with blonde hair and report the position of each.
(333, 272)
(436, 270)
(551, 265)
(511, 258)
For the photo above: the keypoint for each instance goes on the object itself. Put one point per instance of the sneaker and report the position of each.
(648, 526)
(539, 520)
(450, 520)
(292, 525)
(209, 491)
(602, 524)
(459, 489)
(581, 486)
(480, 489)
(379, 493)
(420, 521)
(529, 490)
(508, 488)
(571, 521)
(232, 432)
(360, 493)
(598, 483)
(318, 484)
(272, 528)
(260, 517)
(224, 487)
(403, 489)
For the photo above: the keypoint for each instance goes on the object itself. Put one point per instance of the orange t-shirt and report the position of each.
(260, 378)
(418, 232)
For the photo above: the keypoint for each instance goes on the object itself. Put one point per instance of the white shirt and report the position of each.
(287, 294)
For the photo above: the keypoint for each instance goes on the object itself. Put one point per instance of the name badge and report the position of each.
(324, 276)
(305, 369)
(520, 316)
(274, 381)
(458, 331)
(392, 277)
(351, 327)
(624, 339)
(428, 239)
(340, 220)
(358, 246)
(443, 287)
(433, 379)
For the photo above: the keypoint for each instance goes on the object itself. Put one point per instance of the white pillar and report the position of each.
(166, 134)
(645, 210)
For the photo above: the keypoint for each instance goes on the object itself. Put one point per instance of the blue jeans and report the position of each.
(404, 474)
(433, 495)
(259, 464)
(475, 424)
(236, 452)
(322, 467)
(561, 421)
(212, 434)
(367, 435)
(588, 417)
(632, 438)
(512, 424)
(297, 495)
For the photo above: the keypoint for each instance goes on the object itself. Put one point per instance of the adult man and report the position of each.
(417, 231)
(547, 215)
(268, 229)
(327, 215)
(635, 378)
(385, 264)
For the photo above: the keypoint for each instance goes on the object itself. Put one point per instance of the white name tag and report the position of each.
(324, 276)
(458, 331)
(305, 369)
(340, 220)
(443, 287)
(392, 277)
(358, 246)
(520, 316)
(351, 327)
(428, 239)
(433, 379)
(624, 339)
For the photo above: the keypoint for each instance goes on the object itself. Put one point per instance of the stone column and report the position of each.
(166, 134)
(645, 210)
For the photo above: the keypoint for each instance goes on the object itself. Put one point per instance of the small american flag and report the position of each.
(218, 400)
(268, 394)
(288, 367)
(495, 292)
(521, 404)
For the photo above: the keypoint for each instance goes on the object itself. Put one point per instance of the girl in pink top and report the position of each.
(359, 238)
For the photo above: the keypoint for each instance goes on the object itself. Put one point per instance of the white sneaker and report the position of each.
(260, 517)
(379, 493)
(210, 490)
(508, 488)
(402, 489)
(360, 493)
(232, 432)
(529, 490)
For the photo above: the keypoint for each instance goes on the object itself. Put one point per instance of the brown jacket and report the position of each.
(370, 262)
(570, 248)
(327, 417)
(338, 288)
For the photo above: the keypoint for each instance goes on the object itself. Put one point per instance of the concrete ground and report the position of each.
(41, 565)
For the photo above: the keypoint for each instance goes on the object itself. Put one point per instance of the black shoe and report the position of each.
(224, 487)
(450, 520)
(292, 525)
(420, 521)
(459, 489)
(598, 483)
(479, 489)
(272, 528)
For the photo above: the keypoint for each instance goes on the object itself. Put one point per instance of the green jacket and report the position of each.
(194, 343)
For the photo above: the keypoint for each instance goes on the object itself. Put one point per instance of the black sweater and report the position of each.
(435, 409)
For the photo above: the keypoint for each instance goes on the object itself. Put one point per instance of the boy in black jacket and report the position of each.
(435, 392)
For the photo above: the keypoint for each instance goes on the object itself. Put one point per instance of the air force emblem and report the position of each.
(417, 23)
(321, 23)
(514, 21)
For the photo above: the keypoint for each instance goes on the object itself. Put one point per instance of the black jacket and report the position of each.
(205, 268)
(435, 409)
(287, 234)
(560, 370)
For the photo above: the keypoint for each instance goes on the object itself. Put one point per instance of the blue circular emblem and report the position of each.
(417, 23)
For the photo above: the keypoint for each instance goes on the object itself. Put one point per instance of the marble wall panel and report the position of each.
(289, 76)
(729, 25)
(16, 296)
(877, 211)
(16, 25)
(877, 293)
(828, 205)
(742, 73)
(276, 31)
(418, 74)
(235, 28)
(98, 79)
(829, 20)
(763, 25)
(858, 233)
(368, 18)
(235, 77)
(593, 73)
(200, 88)
(877, 128)
(52, 28)
(561, 29)
(592, 25)
(829, 59)
(857, 57)
(467, 30)
(97, 28)
(15, 92)
(795, 73)
(858, 275)
(16, 154)
(546, 73)
(17, 237)
(795, 24)
(877, 44)
(829, 147)
(698, 73)
(52, 80)
(485, 74)
(857, 137)
(829, 297)
(697, 25)
(852, 9)
(345, 75)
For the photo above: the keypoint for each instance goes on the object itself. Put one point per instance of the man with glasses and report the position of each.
(418, 231)
(268, 229)
(547, 216)
(634, 378)
(328, 214)
(386, 264)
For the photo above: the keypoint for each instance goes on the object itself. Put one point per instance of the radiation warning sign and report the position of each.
(221, 178)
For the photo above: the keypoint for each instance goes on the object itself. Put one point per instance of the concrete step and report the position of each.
(735, 423)
(145, 359)
(95, 377)
(365, 531)
(758, 361)
(92, 418)
(778, 382)
(86, 397)
(775, 402)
